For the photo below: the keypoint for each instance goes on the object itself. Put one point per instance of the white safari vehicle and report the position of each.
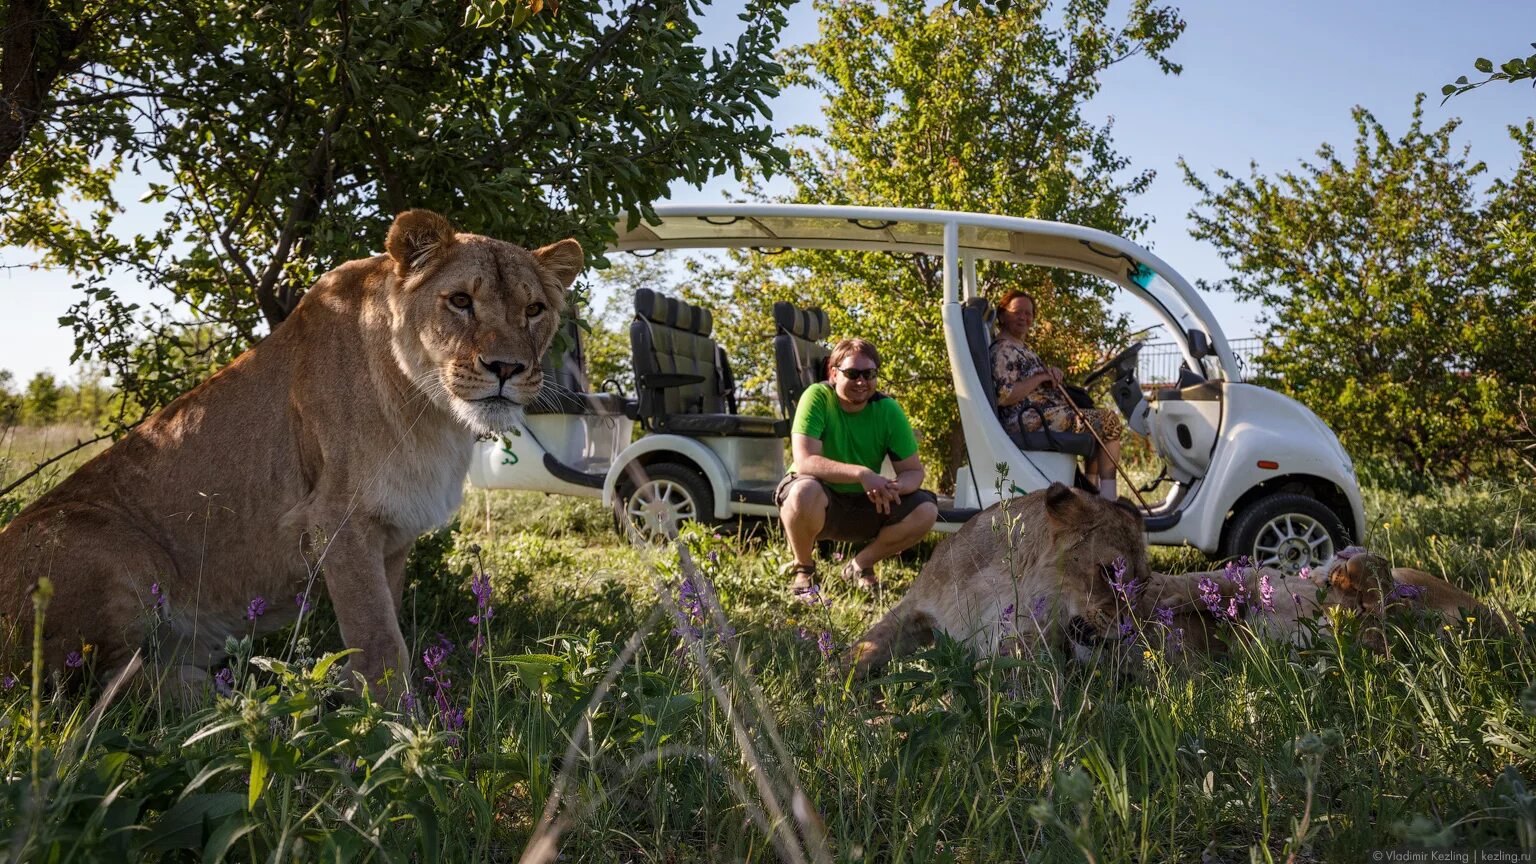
(1249, 472)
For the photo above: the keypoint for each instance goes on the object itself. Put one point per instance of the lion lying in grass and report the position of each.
(1201, 606)
(332, 443)
(1036, 570)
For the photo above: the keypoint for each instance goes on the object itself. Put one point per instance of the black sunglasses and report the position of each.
(858, 374)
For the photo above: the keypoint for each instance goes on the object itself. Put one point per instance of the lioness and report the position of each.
(1279, 606)
(334, 442)
(1035, 569)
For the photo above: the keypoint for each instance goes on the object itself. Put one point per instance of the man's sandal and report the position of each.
(863, 578)
(803, 587)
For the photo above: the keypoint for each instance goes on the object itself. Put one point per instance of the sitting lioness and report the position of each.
(1038, 569)
(328, 447)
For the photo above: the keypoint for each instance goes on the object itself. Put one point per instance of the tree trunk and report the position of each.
(28, 68)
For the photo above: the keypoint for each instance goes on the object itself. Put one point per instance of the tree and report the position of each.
(41, 401)
(283, 138)
(10, 402)
(975, 106)
(1403, 306)
(1511, 70)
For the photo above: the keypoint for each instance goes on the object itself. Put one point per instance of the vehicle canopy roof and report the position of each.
(958, 238)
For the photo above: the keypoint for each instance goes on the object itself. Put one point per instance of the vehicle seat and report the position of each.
(681, 374)
(567, 390)
(799, 355)
(977, 315)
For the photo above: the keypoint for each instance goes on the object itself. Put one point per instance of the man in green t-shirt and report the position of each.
(843, 431)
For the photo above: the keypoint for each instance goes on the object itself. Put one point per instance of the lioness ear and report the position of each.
(1062, 505)
(418, 238)
(564, 260)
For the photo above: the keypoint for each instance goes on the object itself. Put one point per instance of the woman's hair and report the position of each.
(1014, 295)
(848, 347)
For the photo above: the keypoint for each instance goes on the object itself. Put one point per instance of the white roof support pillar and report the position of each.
(951, 260)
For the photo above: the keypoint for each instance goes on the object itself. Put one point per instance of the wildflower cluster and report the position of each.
(256, 608)
(480, 586)
(224, 681)
(157, 598)
(435, 658)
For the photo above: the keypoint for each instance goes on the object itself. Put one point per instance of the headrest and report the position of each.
(983, 307)
(651, 306)
(672, 312)
(809, 324)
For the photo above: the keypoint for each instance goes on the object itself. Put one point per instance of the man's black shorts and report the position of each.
(852, 517)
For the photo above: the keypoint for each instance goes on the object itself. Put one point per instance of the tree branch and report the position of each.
(38, 468)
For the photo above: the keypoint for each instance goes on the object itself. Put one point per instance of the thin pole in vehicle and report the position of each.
(1130, 484)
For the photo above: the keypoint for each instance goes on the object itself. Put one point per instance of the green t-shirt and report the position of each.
(862, 438)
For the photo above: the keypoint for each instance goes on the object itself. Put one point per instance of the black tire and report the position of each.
(670, 495)
(1285, 531)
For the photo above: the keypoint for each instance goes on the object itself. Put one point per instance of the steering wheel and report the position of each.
(1122, 363)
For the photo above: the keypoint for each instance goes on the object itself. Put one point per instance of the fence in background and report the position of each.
(1160, 360)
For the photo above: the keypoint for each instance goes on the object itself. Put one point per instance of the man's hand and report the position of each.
(882, 492)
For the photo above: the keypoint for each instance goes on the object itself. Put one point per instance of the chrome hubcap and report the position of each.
(1290, 542)
(658, 509)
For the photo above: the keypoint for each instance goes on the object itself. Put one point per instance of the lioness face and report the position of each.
(1103, 552)
(476, 315)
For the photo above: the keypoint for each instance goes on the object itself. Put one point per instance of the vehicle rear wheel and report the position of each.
(1286, 531)
(656, 509)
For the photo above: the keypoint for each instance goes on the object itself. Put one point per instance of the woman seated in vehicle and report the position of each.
(1030, 395)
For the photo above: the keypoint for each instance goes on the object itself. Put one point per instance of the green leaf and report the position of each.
(1483, 64)
(225, 836)
(259, 770)
(323, 665)
(182, 826)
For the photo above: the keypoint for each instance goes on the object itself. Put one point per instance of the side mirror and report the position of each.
(1199, 343)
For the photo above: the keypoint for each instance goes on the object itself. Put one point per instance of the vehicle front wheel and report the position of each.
(655, 510)
(1285, 531)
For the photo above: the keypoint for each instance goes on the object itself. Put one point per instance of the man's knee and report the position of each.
(923, 516)
(802, 500)
(920, 519)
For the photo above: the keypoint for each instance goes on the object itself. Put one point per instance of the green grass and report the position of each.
(697, 748)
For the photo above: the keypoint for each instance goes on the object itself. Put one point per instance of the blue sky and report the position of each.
(1266, 82)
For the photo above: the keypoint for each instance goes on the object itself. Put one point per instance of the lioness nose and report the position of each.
(501, 370)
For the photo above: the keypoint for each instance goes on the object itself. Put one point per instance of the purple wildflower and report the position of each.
(1232, 608)
(1403, 591)
(1127, 630)
(408, 702)
(1266, 592)
(1008, 614)
(1164, 615)
(690, 610)
(1038, 611)
(435, 655)
(224, 681)
(824, 642)
(713, 556)
(1126, 588)
(301, 600)
(158, 595)
(480, 586)
(256, 608)
(1210, 595)
(75, 660)
(9, 682)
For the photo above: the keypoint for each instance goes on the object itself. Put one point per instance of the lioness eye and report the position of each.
(534, 310)
(461, 300)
